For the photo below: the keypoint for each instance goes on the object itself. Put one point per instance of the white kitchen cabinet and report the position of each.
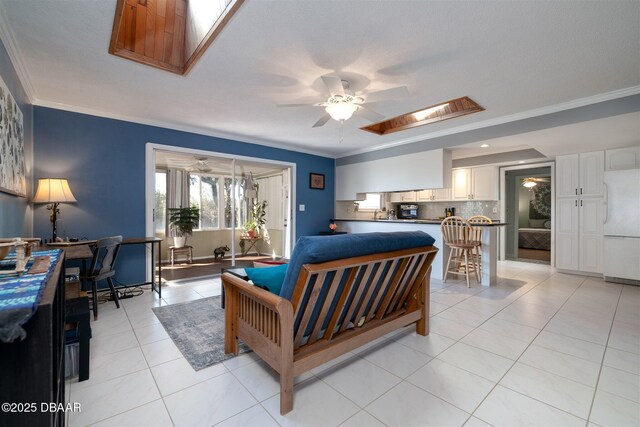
(580, 174)
(409, 196)
(622, 158)
(479, 183)
(434, 195)
(567, 176)
(567, 234)
(579, 239)
(484, 183)
(461, 184)
(591, 238)
(395, 197)
(592, 174)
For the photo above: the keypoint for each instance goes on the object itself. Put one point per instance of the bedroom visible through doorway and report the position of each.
(529, 213)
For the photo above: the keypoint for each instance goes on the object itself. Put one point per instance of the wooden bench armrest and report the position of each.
(234, 283)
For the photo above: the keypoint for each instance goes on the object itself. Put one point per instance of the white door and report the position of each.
(622, 203)
(461, 184)
(591, 173)
(567, 234)
(591, 235)
(485, 183)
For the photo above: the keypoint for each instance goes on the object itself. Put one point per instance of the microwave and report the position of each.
(408, 212)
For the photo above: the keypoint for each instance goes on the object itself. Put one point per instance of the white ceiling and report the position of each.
(510, 57)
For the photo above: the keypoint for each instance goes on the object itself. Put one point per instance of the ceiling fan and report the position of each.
(343, 103)
(200, 165)
(532, 182)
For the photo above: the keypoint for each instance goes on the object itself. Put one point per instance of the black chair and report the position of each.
(105, 253)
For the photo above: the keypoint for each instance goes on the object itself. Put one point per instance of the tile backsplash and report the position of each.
(430, 210)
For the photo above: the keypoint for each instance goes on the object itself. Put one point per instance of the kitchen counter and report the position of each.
(432, 227)
(417, 221)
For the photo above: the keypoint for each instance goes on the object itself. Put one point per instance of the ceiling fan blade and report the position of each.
(334, 85)
(369, 114)
(380, 95)
(324, 119)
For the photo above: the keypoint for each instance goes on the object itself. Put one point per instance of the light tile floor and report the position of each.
(539, 348)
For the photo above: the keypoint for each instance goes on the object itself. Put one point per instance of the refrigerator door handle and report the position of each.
(606, 205)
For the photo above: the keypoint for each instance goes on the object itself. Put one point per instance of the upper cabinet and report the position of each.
(622, 158)
(580, 174)
(479, 183)
(435, 195)
(426, 169)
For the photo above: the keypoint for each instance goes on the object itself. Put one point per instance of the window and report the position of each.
(160, 212)
(241, 203)
(372, 202)
(203, 193)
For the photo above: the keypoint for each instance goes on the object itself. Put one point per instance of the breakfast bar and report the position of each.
(432, 227)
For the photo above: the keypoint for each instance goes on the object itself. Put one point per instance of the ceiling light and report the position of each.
(529, 182)
(341, 108)
(521, 161)
(484, 145)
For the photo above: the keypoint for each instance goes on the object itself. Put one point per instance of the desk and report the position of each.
(80, 251)
(153, 241)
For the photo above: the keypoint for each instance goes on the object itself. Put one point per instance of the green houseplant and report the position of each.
(182, 222)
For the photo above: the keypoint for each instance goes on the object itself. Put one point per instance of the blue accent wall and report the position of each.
(15, 212)
(104, 161)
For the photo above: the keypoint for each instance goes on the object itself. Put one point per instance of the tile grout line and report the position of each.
(595, 390)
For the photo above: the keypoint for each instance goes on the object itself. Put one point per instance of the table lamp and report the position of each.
(53, 191)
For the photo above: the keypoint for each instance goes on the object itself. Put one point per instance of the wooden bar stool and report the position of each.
(476, 234)
(456, 233)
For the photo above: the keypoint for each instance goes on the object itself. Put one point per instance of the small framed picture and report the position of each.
(316, 181)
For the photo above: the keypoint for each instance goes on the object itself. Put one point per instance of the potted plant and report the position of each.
(257, 216)
(183, 221)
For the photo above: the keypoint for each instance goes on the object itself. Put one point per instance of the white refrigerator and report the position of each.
(622, 226)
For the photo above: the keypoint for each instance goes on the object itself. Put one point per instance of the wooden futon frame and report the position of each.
(360, 299)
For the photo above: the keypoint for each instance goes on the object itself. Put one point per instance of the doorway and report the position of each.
(244, 205)
(528, 209)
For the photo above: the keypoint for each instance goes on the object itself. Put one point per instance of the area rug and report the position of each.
(197, 329)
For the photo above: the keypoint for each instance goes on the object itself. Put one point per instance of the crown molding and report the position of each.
(9, 41)
(179, 127)
(550, 109)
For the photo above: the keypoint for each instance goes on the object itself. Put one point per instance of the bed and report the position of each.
(534, 238)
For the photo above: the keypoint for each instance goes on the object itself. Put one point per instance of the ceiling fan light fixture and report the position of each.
(341, 110)
(529, 183)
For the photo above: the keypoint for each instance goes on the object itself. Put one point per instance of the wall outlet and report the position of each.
(495, 209)
(301, 208)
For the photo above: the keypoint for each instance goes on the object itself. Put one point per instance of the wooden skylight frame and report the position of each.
(152, 32)
(435, 113)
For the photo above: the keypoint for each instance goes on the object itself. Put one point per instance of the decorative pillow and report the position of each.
(537, 223)
(547, 224)
(267, 263)
(269, 278)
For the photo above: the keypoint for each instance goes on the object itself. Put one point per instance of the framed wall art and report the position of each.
(12, 167)
(316, 181)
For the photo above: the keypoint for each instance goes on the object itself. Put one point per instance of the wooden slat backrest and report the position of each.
(352, 289)
(258, 316)
(454, 229)
(476, 232)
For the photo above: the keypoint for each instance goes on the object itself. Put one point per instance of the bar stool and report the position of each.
(476, 234)
(456, 233)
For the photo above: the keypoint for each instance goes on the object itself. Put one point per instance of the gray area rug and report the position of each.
(197, 328)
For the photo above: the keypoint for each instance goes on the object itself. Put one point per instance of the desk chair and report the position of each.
(105, 252)
(476, 234)
(456, 234)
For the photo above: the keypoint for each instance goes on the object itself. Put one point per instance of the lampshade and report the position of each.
(341, 110)
(529, 182)
(53, 190)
